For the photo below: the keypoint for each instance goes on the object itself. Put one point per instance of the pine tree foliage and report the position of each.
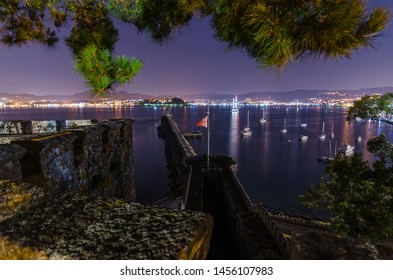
(274, 32)
(102, 71)
(372, 107)
(278, 32)
(360, 194)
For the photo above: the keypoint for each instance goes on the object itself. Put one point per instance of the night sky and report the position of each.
(194, 62)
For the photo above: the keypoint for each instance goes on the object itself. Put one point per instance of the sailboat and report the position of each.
(302, 136)
(329, 158)
(284, 129)
(235, 105)
(332, 133)
(247, 130)
(263, 119)
(322, 135)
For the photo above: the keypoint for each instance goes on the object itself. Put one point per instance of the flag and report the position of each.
(202, 122)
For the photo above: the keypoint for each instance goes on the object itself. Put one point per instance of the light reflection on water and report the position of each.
(274, 168)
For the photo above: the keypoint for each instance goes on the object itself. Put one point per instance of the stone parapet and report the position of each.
(10, 167)
(40, 127)
(76, 227)
(75, 199)
(64, 155)
(49, 162)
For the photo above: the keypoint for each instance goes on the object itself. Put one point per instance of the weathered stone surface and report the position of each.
(7, 139)
(44, 126)
(95, 156)
(10, 167)
(88, 149)
(75, 227)
(77, 123)
(40, 127)
(314, 245)
(17, 197)
(15, 127)
(117, 156)
(49, 162)
(175, 157)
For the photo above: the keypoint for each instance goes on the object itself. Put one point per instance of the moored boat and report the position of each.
(247, 130)
(322, 135)
(284, 129)
(332, 133)
(235, 105)
(263, 119)
(346, 149)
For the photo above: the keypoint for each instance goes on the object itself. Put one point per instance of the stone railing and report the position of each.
(187, 149)
(38, 127)
(187, 188)
(283, 244)
(241, 190)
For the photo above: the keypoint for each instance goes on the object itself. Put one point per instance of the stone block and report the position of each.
(10, 167)
(49, 162)
(75, 227)
(313, 245)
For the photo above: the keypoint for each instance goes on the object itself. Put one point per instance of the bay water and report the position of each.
(274, 168)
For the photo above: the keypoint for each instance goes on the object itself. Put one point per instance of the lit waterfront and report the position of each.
(273, 168)
(135, 103)
(324, 98)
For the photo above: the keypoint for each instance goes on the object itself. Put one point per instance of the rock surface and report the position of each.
(314, 245)
(76, 227)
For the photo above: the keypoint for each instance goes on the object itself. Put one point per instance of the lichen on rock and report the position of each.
(75, 226)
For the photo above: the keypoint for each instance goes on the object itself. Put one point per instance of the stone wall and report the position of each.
(97, 157)
(39, 127)
(68, 195)
(10, 167)
(283, 243)
(175, 158)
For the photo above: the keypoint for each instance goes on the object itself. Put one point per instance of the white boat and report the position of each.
(247, 130)
(322, 135)
(303, 137)
(303, 125)
(284, 129)
(358, 138)
(346, 149)
(323, 158)
(235, 105)
(263, 119)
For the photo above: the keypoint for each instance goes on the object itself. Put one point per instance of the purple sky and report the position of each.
(194, 62)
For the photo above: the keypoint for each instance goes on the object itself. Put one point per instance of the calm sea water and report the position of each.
(274, 168)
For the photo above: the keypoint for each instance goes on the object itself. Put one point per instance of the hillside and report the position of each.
(279, 96)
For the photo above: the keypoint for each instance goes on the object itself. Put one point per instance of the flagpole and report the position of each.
(208, 135)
